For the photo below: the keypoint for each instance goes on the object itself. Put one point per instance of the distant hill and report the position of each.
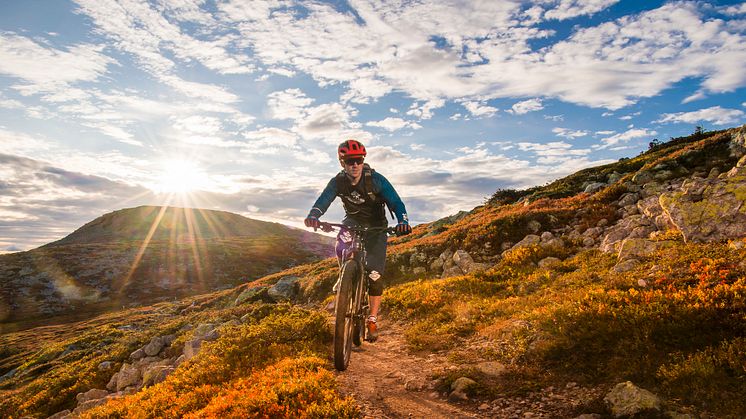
(145, 254)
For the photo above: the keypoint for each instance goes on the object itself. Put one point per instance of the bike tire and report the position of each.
(358, 332)
(344, 316)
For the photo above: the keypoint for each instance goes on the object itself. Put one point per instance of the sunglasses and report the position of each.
(350, 162)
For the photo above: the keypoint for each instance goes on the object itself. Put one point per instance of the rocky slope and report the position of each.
(146, 254)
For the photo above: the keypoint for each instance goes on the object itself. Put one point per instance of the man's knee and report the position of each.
(375, 284)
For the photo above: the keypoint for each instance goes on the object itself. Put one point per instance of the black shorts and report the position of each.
(375, 248)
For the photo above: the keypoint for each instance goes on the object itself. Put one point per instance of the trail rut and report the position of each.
(390, 382)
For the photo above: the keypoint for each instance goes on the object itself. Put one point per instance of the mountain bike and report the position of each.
(351, 306)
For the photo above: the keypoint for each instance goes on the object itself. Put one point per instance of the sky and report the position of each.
(239, 105)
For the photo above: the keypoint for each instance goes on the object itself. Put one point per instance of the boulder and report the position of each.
(418, 271)
(138, 354)
(718, 213)
(154, 346)
(460, 389)
(191, 348)
(451, 271)
(533, 226)
(626, 399)
(553, 242)
(286, 289)
(61, 415)
(625, 265)
(112, 385)
(156, 374)
(546, 236)
(635, 248)
(418, 259)
(90, 404)
(463, 260)
(594, 187)
(129, 375)
(491, 368)
(528, 241)
(642, 177)
(629, 198)
(548, 262)
(252, 294)
(105, 366)
(92, 394)
(650, 207)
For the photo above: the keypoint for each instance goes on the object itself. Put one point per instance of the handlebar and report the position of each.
(329, 227)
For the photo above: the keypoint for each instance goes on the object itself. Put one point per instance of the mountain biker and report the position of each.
(364, 192)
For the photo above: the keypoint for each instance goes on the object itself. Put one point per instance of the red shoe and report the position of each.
(372, 326)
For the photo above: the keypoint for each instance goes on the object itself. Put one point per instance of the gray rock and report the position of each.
(555, 242)
(528, 241)
(286, 289)
(635, 248)
(546, 236)
(625, 265)
(191, 348)
(8, 375)
(642, 177)
(105, 366)
(588, 242)
(452, 271)
(129, 375)
(112, 385)
(90, 404)
(626, 399)
(92, 394)
(629, 199)
(613, 178)
(593, 232)
(462, 259)
(138, 354)
(491, 368)
(155, 345)
(61, 415)
(460, 389)
(252, 294)
(156, 374)
(533, 226)
(594, 187)
(418, 271)
(548, 262)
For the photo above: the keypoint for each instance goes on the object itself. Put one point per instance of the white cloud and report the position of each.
(736, 10)
(526, 106)
(568, 133)
(417, 147)
(715, 115)
(394, 124)
(425, 110)
(553, 152)
(479, 110)
(567, 9)
(607, 132)
(555, 118)
(288, 104)
(625, 137)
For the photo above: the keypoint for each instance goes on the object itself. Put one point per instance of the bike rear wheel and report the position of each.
(345, 312)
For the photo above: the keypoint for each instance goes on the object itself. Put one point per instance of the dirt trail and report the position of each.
(390, 382)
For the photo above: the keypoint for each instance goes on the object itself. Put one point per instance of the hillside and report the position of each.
(539, 303)
(142, 255)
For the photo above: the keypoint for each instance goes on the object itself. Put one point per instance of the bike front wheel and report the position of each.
(344, 316)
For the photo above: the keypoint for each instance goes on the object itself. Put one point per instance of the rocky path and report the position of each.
(390, 382)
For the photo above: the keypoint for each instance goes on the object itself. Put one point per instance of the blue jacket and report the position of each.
(359, 204)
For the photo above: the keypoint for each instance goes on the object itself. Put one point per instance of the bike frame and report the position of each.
(355, 308)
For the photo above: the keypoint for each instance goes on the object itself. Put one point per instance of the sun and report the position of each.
(180, 177)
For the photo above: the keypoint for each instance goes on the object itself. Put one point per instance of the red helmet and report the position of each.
(351, 148)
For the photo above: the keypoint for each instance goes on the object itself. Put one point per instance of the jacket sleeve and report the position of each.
(325, 199)
(392, 199)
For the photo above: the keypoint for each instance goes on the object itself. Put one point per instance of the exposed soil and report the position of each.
(390, 382)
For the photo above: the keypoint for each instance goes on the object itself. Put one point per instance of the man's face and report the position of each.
(353, 167)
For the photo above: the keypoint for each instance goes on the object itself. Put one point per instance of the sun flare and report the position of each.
(180, 177)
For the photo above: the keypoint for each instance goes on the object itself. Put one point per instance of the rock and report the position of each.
(628, 199)
(8, 375)
(642, 283)
(138, 354)
(286, 289)
(252, 294)
(483, 406)
(546, 236)
(154, 346)
(636, 248)
(61, 415)
(90, 404)
(528, 241)
(548, 262)
(463, 385)
(418, 259)
(533, 226)
(593, 232)
(588, 242)
(613, 178)
(112, 385)
(92, 394)
(451, 271)
(191, 348)
(626, 265)
(554, 242)
(129, 375)
(650, 206)
(180, 360)
(105, 366)
(463, 260)
(737, 244)
(602, 222)
(642, 177)
(717, 214)
(415, 384)
(419, 271)
(626, 399)
(491, 368)
(156, 374)
(437, 265)
(594, 187)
